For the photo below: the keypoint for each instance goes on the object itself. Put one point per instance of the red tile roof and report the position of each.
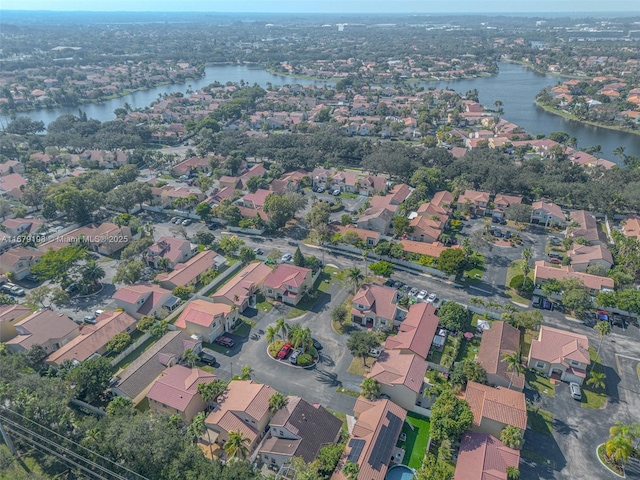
(379, 299)
(631, 227)
(498, 404)
(201, 312)
(396, 368)
(184, 273)
(499, 340)
(258, 198)
(177, 386)
(244, 282)
(483, 457)
(42, 326)
(286, 274)
(554, 346)
(546, 271)
(416, 330)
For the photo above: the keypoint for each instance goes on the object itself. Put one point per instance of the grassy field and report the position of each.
(143, 406)
(591, 397)
(416, 428)
(357, 368)
(468, 349)
(263, 304)
(514, 269)
(540, 420)
(540, 383)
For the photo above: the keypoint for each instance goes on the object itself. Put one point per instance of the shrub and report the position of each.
(275, 347)
(305, 360)
(521, 285)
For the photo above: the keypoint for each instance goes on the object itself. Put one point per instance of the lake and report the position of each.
(515, 86)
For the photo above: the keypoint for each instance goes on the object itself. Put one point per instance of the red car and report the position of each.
(225, 342)
(555, 261)
(284, 351)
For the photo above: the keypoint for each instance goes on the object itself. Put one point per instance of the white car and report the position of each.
(336, 193)
(374, 352)
(575, 391)
(286, 257)
(432, 298)
(422, 295)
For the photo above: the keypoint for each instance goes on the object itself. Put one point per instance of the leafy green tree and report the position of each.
(230, 245)
(451, 416)
(401, 225)
(90, 378)
(339, 314)
(119, 406)
(247, 371)
(355, 277)
(282, 208)
(277, 401)
(513, 473)
(159, 329)
(36, 355)
(128, 273)
(118, 342)
(203, 210)
(92, 272)
(145, 323)
(529, 320)
(577, 300)
(382, 268)
(618, 449)
(136, 249)
(453, 316)
(298, 258)
(519, 212)
(190, 357)
(512, 437)
(360, 344)
(452, 261)
(467, 370)
(183, 293)
(328, 458)
(370, 388)
(59, 297)
(522, 284)
(346, 219)
(56, 265)
(38, 295)
(246, 255)
(351, 470)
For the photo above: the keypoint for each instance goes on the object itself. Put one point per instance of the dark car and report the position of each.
(388, 283)
(31, 278)
(207, 358)
(495, 219)
(73, 288)
(225, 341)
(316, 344)
(546, 304)
(294, 356)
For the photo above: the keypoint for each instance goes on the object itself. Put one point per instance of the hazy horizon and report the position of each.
(325, 7)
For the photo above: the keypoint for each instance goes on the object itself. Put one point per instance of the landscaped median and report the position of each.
(612, 467)
(281, 335)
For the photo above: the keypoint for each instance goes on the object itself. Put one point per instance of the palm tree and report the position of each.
(370, 388)
(597, 380)
(247, 371)
(618, 449)
(236, 446)
(511, 436)
(351, 470)
(445, 238)
(604, 329)
(630, 432)
(282, 328)
(198, 427)
(300, 337)
(514, 365)
(355, 276)
(526, 254)
(277, 401)
(212, 390)
(271, 334)
(619, 152)
(190, 357)
(92, 272)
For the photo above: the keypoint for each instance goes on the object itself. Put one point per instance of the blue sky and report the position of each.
(328, 6)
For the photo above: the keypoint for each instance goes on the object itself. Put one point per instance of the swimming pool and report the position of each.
(400, 472)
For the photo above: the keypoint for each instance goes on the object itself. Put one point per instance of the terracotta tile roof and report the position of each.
(506, 200)
(93, 338)
(9, 313)
(133, 293)
(483, 457)
(546, 271)
(588, 228)
(16, 254)
(12, 223)
(364, 234)
(242, 398)
(170, 247)
(379, 425)
(178, 385)
(584, 254)
(258, 198)
(379, 299)
(421, 248)
(430, 209)
(41, 327)
(184, 273)
(201, 312)
(286, 274)
(426, 226)
(499, 340)
(257, 170)
(399, 193)
(396, 368)
(549, 208)
(498, 404)
(416, 330)
(313, 424)
(554, 346)
(631, 227)
(474, 197)
(378, 202)
(245, 281)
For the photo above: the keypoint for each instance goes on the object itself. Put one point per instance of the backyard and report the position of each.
(416, 428)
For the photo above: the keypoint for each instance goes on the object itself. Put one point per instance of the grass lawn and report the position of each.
(143, 406)
(513, 270)
(448, 353)
(216, 348)
(525, 340)
(343, 417)
(540, 420)
(242, 329)
(537, 458)
(263, 304)
(591, 397)
(21, 469)
(345, 391)
(540, 383)
(310, 300)
(357, 368)
(468, 349)
(126, 361)
(416, 428)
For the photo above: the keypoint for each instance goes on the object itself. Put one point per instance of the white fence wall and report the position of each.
(130, 348)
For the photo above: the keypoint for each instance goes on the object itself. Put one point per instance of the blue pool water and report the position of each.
(400, 472)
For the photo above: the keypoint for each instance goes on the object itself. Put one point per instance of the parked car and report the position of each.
(284, 351)
(576, 392)
(97, 313)
(186, 222)
(422, 295)
(316, 344)
(6, 288)
(375, 352)
(294, 356)
(555, 255)
(174, 219)
(603, 316)
(320, 189)
(397, 284)
(336, 192)
(413, 292)
(388, 283)
(536, 302)
(555, 261)
(32, 278)
(546, 304)
(258, 251)
(225, 341)
(90, 319)
(495, 220)
(206, 356)
(286, 258)
(178, 220)
(432, 298)
(507, 234)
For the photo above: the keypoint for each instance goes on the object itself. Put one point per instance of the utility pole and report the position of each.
(7, 440)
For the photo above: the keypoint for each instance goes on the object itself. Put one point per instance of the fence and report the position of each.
(248, 231)
(130, 349)
(208, 289)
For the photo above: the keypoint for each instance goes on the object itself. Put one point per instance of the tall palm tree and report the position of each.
(604, 329)
(355, 276)
(190, 357)
(630, 432)
(271, 334)
(282, 328)
(526, 254)
(514, 364)
(619, 152)
(92, 272)
(212, 390)
(237, 445)
(198, 427)
(277, 401)
(597, 380)
(300, 337)
(247, 371)
(618, 449)
(370, 388)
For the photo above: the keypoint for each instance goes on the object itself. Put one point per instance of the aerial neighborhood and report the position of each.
(353, 277)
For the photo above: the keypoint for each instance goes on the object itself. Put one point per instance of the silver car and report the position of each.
(576, 392)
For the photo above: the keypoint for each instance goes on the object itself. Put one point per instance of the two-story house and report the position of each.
(202, 317)
(18, 261)
(476, 202)
(46, 328)
(376, 306)
(543, 272)
(376, 219)
(9, 316)
(584, 256)
(502, 202)
(191, 272)
(175, 392)
(300, 429)
(494, 408)
(547, 214)
(372, 184)
(175, 250)
(240, 290)
(560, 354)
(244, 408)
(587, 228)
(500, 340)
(21, 226)
(143, 299)
(288, 283)
(255, 200)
